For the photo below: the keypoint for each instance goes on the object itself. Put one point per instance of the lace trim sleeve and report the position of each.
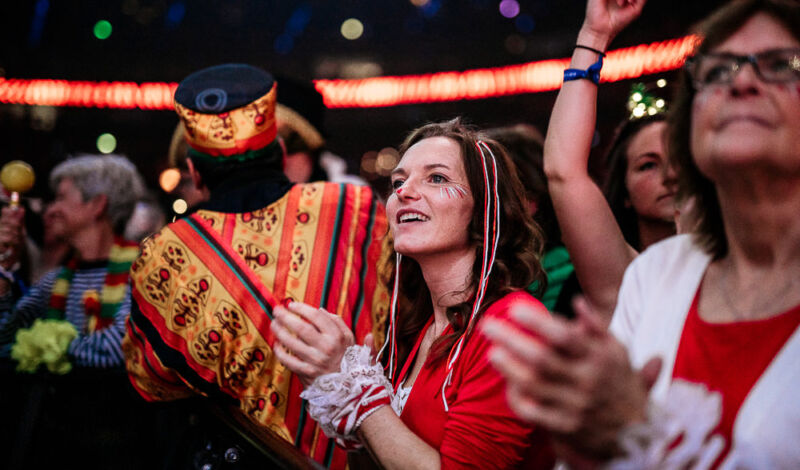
(341, 401)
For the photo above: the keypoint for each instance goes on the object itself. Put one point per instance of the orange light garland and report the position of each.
(532, 77)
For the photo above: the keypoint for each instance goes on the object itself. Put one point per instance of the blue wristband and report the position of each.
(592, 73)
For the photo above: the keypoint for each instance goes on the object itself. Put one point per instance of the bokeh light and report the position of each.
(524, 24)
(283, 44)
(169, 179)
(368, 164)
(509, 8)
(352, 29)
(175, 14)
(179, 206)
(661, 83)
(386, 161)
(430, 8)
(299, 19)
(419, 3)
(102, 29)
(106, 143)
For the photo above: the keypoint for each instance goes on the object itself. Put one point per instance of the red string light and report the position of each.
(532, 77)
(120, 95)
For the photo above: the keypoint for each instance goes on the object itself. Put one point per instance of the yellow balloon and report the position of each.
(17, 176)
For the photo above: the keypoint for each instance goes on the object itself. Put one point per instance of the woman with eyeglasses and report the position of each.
(699, 369)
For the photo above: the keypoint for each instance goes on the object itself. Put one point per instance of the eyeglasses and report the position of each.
(773, 66)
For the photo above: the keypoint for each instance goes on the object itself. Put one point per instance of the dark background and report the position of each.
(165, 40)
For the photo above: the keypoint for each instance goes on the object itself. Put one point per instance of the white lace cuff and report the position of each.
(677, 433)
(341, 401)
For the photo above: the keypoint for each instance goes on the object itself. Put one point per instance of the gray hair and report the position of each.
(112, 175)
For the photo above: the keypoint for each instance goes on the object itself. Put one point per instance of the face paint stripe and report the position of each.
(452, 192)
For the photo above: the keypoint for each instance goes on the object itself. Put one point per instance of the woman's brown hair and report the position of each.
(705, 214)
(518, 250)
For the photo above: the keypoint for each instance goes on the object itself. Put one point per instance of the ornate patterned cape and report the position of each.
(206, 285)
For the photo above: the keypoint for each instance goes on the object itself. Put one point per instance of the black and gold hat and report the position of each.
(228, 112)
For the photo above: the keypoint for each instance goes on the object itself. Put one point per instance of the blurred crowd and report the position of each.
(516, 304)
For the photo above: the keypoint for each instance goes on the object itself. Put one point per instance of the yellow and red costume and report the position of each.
(205, 287)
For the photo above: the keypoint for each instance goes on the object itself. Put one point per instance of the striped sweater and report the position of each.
(99, 349)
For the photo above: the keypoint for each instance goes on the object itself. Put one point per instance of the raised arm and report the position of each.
(589, 231)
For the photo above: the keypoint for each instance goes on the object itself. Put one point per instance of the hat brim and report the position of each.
(286, 116)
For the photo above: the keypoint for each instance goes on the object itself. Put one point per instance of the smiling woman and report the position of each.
(466, 250)
(95, 196)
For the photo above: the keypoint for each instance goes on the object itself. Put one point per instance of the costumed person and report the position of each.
(524, 144)
(300, 113)
(86, 301)
(604, 229)
(205, 286)
(466, 250)
(718, 309)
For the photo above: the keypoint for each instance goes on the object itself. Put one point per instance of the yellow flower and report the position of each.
(44, 343)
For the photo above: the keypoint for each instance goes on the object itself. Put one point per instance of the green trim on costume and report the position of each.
(239, 157)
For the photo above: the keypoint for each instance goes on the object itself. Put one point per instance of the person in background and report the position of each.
(604, 230)
(524, 144)
(147, 219)
(21, 243)
(699, 369)
(206, 285)
(94, 198)
(467, 249)
(55, 247)
(187, 188)
(640, 185)
(16, 259)
(300, 113)
(78, 409)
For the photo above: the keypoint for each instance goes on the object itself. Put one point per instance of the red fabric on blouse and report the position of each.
(729, 358)
(480, 430)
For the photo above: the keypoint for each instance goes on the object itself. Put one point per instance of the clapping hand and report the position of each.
(309, 341)
(573, 378)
